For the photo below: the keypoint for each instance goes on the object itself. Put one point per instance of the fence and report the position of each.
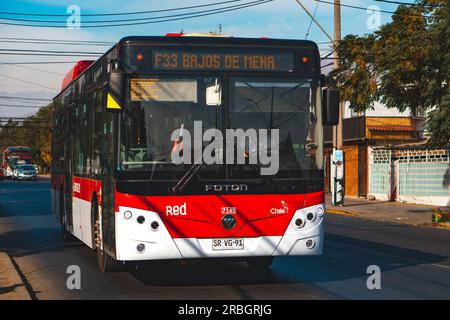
(415, 175)
(379, 163)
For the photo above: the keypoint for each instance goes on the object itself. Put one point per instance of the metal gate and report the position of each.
(379, 173)
(419, 175)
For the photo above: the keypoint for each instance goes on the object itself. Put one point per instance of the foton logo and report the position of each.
(176, 210)
(283, 209)
(76, 187)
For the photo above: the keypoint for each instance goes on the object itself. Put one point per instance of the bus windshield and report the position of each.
(287, 105)
(160, 105)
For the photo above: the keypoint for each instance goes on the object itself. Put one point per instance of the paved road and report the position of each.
(415, 261)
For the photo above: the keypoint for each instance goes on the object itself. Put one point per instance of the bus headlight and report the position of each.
(311, 216)
(154, 225)
(140, 247)
(127, 214)
(299, 222)
(310, 243)
(319, 211)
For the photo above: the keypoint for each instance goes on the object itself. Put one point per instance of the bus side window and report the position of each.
(97, 132)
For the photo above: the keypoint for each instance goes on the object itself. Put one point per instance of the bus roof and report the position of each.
(182, 39)
(135, 40)
(76, 70)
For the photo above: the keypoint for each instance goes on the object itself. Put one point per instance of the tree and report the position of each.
(32, 132)
(404, 65)
(356, 76)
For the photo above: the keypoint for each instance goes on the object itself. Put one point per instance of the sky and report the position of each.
(275, 19)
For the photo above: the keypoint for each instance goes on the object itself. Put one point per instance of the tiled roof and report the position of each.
(392, 127)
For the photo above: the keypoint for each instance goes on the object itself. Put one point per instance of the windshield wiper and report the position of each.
(187, 177)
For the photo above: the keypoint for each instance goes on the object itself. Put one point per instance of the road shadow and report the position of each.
(344, 258)
(33, 241)
(201, 274)
(8, 289)
(348, 258)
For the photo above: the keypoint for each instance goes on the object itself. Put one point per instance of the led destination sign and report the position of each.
(231, 61)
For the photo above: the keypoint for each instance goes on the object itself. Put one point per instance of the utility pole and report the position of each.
(337, 130)
(337, 159)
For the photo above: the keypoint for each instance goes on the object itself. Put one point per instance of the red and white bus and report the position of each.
(115, 187)
(13, 156)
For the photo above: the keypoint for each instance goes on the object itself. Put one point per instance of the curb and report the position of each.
(342, 212)
(438, 225)
(11, 284)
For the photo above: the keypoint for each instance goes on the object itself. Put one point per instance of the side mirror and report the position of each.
(330, 106)
(116, 91)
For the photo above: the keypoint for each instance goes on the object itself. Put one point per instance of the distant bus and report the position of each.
(13, 156)
(115, 187)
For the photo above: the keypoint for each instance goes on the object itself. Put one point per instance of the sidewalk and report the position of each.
(11, 285)
(387, 211)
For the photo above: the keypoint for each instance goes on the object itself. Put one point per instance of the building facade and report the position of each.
(364, 131)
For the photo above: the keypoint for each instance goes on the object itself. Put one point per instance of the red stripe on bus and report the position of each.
(83, 188)
(200, 216)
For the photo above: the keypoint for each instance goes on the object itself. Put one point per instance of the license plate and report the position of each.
(228, 244)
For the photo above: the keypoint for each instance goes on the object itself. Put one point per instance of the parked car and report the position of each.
(25, 172)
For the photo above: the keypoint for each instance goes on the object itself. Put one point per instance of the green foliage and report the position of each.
(356, 76)
(32, 132)
(405, 65)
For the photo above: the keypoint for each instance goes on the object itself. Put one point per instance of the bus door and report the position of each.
(108, 147)
(67, 199)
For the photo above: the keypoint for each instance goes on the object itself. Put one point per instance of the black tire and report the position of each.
(260, 263)
(105, 262)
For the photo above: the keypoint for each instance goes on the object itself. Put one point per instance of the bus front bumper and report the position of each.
(139, 241)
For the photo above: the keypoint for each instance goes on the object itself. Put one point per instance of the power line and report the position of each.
(398, 2)
(58, 40)
(412, 3)
(50, 51)
(19, 106)
(37, 69)
(47, 54)
(119, 13)
(24, 98)
(231, 8)
(314, 19)
(128, 19)
(37, 62)
(327, 55)
(57, 43)
(376, 10)
(327, 65)
(26, 81)
(311, 21)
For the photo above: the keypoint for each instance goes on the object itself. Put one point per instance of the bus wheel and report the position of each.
(105, 262)
(260, 263)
